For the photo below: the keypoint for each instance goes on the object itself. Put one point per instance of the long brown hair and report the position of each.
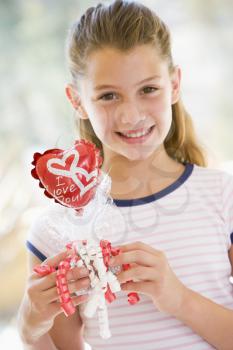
(124, 25)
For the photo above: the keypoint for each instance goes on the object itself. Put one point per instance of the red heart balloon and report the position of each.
(69, 176)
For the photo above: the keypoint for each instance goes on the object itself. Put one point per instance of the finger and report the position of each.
(138, 246)
(52, 295)
(47, 282)
(75, 286)
(77, 273)
(44, 283)
(55, 308)
(138, 287)
(51, 261)
(135, 256)
(136, 274)
(56, 259)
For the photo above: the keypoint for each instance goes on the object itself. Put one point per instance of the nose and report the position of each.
(130, 113)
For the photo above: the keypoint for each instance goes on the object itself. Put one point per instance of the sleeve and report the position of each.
(227, 196)
(35, 239)
(45, 342)
(43, 238)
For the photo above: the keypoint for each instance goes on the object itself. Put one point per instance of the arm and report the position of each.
(44, 328)
(68, 330)
(153, 276)
(210, 320)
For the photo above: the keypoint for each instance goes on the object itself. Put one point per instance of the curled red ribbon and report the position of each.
(133, 297)
(67, 264)
(43, 270)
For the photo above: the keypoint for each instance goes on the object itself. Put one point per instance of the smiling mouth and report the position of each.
(136, 135)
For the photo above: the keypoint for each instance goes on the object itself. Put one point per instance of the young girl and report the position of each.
(177, 214)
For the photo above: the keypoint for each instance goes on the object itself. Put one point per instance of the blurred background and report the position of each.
(35, 114)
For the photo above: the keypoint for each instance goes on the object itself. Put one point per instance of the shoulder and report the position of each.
(210, 175)
(54, 227)
(50, 215)
(43, 236)
(47, 232)
(214, 186)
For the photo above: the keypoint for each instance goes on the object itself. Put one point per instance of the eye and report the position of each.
(108, 97)
(149, 89)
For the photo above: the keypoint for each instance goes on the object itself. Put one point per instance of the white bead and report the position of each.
(113, 282)
(92, 258)
(91, 306)
(79, 263)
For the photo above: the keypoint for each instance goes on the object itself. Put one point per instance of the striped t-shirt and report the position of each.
(191, 221)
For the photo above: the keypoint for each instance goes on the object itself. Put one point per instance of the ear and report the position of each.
(75, 99)
(175, 82)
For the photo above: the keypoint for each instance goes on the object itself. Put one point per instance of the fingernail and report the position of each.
(84, 296)
(85, 282)
(111, 261)
(83, 271)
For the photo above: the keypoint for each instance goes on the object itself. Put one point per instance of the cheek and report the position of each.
(101, 122)
(162, 115)
(162, 111)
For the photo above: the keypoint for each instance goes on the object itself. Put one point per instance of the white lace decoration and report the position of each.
(91, 255)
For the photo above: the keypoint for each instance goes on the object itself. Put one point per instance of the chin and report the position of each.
(138, 155)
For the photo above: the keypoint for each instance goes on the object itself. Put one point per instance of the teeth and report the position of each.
(136, 134)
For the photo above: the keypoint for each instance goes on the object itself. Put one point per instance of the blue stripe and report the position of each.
(231, 237)
(139, 201)
(35, 251)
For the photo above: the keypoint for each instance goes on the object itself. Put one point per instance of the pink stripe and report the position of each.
(202, 178)
(191, 246)
(195, 186)
(149, 302)
(148, 341)
(180, 346)
(126, 334)
(134, 323)
(142, 303)
(207, 177)
(183, 238)
(229, 219)
(161, 319)
(222, 278)
(215, 192)
(178, 257)
(174, 222)
(207, 188)
(152, 312)
(228, 198)
(202, 273)
(200, 208)
(183, 229)
(198, 264)
(212, 290)
(156, 207)
(229, 304)
(184, 345)
(189, 228)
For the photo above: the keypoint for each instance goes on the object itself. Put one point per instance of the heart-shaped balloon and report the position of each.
(69, 176)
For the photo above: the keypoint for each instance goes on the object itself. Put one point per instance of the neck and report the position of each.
(141, 176)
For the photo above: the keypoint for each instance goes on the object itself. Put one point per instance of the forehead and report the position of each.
(110, 64)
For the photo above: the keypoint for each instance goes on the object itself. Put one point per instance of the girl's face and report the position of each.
(127, 98)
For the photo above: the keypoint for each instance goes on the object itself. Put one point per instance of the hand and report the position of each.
(150, 274)
(42, 299)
